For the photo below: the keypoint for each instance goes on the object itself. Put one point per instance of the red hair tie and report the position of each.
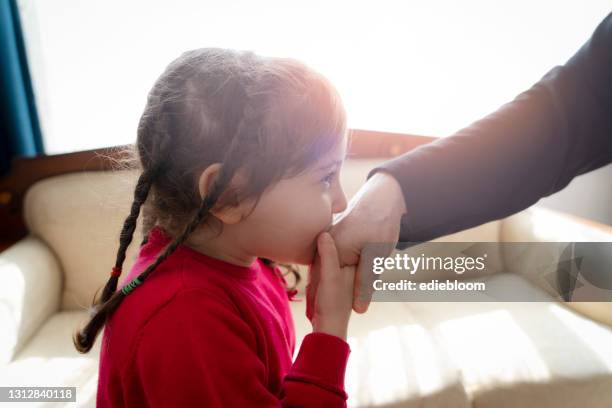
(116, 272)
(291, 295)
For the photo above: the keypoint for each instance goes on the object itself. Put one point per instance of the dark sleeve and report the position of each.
(528, 149)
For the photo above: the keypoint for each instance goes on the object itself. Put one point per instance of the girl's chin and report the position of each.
(304, 257)
(309, 255)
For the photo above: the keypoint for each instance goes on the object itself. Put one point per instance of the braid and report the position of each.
(204, 210)
(148, 222)
(103, 309)
(140, 195)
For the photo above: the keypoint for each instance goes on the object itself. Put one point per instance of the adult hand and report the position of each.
(372, 216)
(329, 293)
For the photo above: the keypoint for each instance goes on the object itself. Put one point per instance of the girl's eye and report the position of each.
(328, 179)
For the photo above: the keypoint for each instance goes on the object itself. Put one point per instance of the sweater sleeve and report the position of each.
(198, 351)
(528, 149)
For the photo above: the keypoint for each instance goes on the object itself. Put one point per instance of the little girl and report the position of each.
(240, 157)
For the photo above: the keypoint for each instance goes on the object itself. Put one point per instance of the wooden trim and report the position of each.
(27, 171)
(366, 144)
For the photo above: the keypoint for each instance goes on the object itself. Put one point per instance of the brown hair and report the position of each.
(272, 117)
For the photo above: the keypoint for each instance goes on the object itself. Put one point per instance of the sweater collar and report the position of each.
(159, 238)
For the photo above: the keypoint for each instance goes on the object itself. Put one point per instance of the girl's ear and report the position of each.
(229, 215)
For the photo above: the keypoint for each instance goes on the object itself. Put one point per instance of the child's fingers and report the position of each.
(325, 266)
(314, 274)
(364, 280)
(314, 277)
(362, 291)
(330, 265)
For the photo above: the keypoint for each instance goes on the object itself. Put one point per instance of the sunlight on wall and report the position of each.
(426, 68)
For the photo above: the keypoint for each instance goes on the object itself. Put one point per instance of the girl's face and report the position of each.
(291, 214)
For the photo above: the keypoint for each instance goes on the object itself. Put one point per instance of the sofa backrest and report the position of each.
(79, 216)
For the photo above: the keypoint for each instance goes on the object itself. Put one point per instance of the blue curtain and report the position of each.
(19, 127)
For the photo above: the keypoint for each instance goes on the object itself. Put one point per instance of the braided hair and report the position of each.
(211, 103)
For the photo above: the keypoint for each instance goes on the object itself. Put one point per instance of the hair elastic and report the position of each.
(116, 272)
(291, 294)
(130, 286)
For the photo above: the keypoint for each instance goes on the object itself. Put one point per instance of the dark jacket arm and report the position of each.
(528, 149)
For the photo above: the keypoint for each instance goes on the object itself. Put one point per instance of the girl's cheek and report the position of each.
(322, 211)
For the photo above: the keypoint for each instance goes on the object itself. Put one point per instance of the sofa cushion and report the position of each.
(518, 354)
(50, 359)
(394, 362)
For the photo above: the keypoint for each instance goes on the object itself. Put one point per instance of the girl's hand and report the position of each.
(329, 293)
(374, 214)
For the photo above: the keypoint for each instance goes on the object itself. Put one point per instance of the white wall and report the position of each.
(588, 195)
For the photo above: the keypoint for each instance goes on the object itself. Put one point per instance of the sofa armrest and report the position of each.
(538, 224)
(30, 288)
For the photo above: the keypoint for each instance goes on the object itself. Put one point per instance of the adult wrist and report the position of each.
(390, 188)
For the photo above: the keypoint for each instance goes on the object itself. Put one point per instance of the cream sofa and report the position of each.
(480, 354)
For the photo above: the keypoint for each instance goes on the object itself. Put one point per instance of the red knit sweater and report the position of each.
(201, 332)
